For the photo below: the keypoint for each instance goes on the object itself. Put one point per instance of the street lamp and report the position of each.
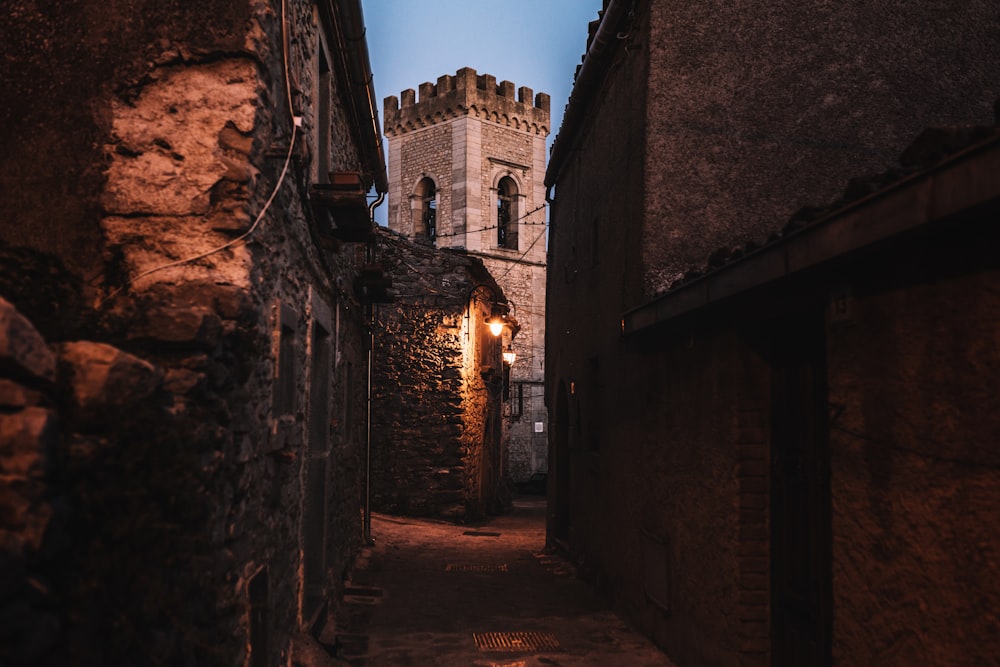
(496, 326)
(509, 356)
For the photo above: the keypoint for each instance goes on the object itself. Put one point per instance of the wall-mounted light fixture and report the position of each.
(509, 356)
(498, 320)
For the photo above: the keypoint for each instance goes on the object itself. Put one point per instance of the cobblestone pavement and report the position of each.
(438, 594)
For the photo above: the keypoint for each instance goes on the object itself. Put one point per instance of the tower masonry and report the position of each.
(466, 170)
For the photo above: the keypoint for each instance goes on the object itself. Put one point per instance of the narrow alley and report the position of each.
(436, 593)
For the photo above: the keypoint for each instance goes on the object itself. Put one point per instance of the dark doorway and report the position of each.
(560, 500)
(800, 497)
(314, 530)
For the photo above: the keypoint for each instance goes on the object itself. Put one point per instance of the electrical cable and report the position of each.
(523, 255)
(483, 229)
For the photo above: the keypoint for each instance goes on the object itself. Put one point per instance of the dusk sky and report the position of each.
(534, 43)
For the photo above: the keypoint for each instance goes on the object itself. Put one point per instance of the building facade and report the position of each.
(769, 427)
(437, 377)
(183, 358)
(466, 163)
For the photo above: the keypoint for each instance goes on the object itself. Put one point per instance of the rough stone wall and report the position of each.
(62, 66)
(756, 112)
(105, 516)
(180, 482)
(28, 444)
(433, 450)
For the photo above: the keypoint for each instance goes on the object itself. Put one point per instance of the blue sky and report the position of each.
(534, 43)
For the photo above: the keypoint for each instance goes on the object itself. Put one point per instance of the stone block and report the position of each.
(181, 325)
(104, 381)
(181, 380)
(22, 348)
(26, 438)
(166, 144)
(16, 497)
(16, 396)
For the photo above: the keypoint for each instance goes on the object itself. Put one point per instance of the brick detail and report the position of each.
(752, 453)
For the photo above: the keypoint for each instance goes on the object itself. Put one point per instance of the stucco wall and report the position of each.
(754, 112)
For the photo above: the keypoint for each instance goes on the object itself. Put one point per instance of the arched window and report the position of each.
(427, 195)
(507, 213)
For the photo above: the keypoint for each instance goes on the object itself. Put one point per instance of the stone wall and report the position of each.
(203, 433)
(436, 393)
(433, 146)
(753, 115)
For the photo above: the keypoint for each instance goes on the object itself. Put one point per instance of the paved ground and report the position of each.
(430, 593)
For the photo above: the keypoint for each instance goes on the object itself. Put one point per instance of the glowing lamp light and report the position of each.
(496, 327)
(509, 356)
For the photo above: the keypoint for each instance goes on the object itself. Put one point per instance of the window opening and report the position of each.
(427, 193)
(430, 219)
(506, 213)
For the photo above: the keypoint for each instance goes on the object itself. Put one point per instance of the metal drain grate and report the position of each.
(510, 642)
(481, 533)
(476, 567)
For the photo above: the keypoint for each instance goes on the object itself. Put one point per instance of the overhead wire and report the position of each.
(484, 229)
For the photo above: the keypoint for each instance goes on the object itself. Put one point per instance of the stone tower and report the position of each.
(466, 170)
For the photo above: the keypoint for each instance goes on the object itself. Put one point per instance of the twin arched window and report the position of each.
(506, 205)
(507, 213)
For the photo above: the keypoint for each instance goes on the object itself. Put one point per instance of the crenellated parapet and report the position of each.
(467, 94)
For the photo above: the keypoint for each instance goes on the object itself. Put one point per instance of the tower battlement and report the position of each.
(467, 93)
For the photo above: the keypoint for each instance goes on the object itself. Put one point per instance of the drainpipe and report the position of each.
(366, 533)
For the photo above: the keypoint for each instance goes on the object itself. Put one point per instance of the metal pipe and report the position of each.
(374, 205)
(366, 533)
